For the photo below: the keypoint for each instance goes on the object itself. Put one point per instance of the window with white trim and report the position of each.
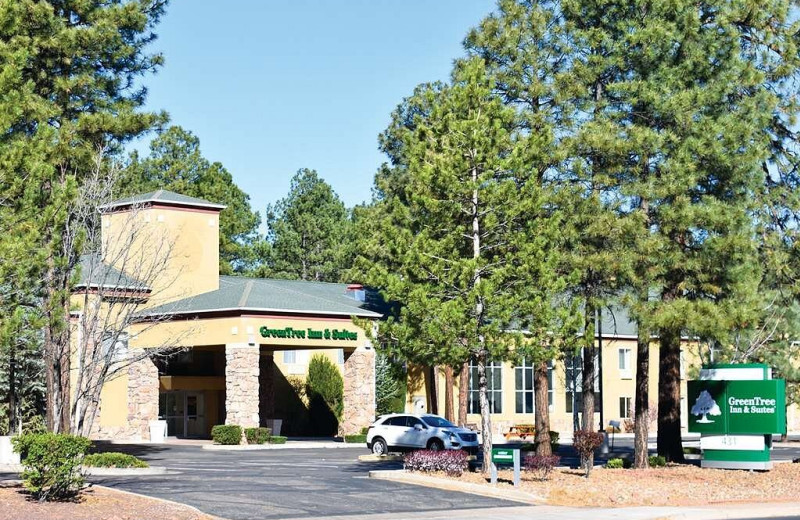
(625, 371)
(573, 365)
(289, 357)
(523, 382)
(494, 387)
(625, 407)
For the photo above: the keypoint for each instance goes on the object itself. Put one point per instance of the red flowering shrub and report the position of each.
(452, 462)
(540, 465)
(585, 442)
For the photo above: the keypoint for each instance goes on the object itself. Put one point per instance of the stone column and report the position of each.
(359, 391)
(266, 387)
(142, 398)
(241, 384)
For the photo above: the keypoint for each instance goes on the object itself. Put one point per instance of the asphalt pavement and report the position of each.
(288, 483)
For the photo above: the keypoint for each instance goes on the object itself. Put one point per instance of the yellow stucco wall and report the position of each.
(615, 385)
(184, 241)
(222, 331)
(114, 402)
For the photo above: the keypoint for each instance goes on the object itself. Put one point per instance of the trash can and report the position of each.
(158, 431)
(274, 425)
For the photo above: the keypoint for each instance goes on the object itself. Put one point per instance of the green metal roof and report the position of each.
(163, 197)
(94, 274)
(239, 294)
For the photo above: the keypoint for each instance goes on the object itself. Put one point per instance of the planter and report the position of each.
(7, 455)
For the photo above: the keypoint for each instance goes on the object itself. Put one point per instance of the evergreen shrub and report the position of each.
(358, 438)
(229, 434)
(51, 463)
(325, 391)
(657, 461)
(257, 435)
(113, 459)
(277, 439)
(615, 464)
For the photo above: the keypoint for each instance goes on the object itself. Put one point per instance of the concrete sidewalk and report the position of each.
(734, 511)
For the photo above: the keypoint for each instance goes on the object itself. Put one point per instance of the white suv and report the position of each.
(400, 432)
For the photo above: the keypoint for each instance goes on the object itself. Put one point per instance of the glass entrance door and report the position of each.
(184, 412)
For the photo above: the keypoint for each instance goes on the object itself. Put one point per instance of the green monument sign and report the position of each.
(737, 408)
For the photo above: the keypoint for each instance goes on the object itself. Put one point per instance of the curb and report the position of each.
(123, 472)
(380, 458)
(287, 446)
(401, 475)
(163, 500)
(741, 511)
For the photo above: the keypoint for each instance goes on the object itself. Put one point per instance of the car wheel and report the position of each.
(379, 446)
(435, 445)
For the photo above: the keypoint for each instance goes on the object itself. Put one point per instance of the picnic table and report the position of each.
(522, 431)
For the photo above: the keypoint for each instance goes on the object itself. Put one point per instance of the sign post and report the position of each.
(736, 409)
(505, 456)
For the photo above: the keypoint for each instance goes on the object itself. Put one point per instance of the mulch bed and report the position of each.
(94, 503)
(674, 485)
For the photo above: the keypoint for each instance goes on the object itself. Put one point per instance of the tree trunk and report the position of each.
(448, 393)
(12, 388)
(587, 383)
(642, 399)
(542, 409)
(463, 394)
(486, 420)
(56, 351)
(669, 396)
(433, 396)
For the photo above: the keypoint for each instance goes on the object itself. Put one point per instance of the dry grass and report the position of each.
(93, 504)
(671, 486)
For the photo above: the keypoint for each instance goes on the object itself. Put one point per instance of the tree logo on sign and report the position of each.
(705, 406)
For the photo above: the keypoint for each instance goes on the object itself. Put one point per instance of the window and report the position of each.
(625, 363)
(573, 365)
(340, 356)
(523, 377)
(494, 390)
(625, 408)
(289, 357)
(400, 420)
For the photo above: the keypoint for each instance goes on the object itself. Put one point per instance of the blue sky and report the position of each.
(273, 86)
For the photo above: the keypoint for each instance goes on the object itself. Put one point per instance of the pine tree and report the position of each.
(176, 163)
(70, 76)
(305, 231)
(525, 52)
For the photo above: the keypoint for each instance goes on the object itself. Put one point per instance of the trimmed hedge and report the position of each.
(229, 434)
(615, 464)
(358, 438)
(257, 435)
(657, 461)
(277, 439)
(113, 459)
(52, 464)
(452, 462)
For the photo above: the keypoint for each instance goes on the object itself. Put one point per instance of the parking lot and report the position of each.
(288, 483)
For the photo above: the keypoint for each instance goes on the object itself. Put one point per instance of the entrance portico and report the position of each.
(219, 343)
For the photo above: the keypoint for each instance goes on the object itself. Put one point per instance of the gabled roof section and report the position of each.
(166, 197)
(94, 274)
(263, 295)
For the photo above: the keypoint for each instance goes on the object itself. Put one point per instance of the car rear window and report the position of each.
(396, 421)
